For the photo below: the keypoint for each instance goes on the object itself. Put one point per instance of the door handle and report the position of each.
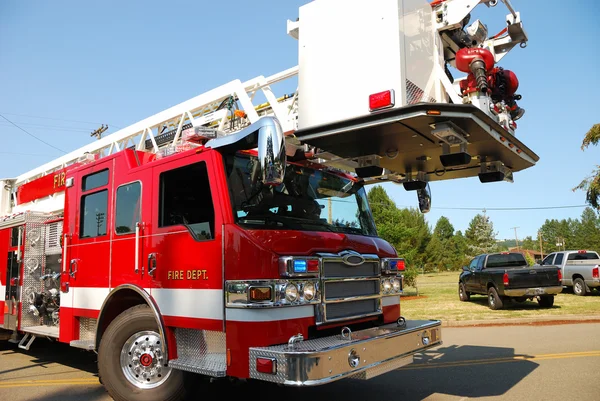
(151, 264)
(73, 271)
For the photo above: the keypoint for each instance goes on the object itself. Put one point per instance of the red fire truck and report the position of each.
(231, 236)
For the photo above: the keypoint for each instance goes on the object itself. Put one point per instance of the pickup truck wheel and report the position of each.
(546, 301)
(579, 287)
(494, 301)
(462, 292)
(131, 362)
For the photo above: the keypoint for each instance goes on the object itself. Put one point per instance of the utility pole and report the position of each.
(541, 248)
(560, 241)
(330, 214)
(98, 132)
(516, 238)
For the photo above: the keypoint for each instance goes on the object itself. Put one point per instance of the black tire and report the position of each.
(579, 287)
(463, 295)
(546, 301)
(137, 328)
(494, 300)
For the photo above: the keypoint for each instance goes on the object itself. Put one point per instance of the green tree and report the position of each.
(528, 243)
(405, 229)
(591, 184)
(530, 260)
(587, 232)
(443, 251)
(481, 237)
(444, 230)
(559, 231)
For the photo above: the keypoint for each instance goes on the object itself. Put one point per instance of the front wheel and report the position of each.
(579, 287)
(494, 300)
(546, 301)
(131, 363)
(463, 295)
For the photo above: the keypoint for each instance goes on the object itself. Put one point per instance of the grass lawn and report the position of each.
(438, 299)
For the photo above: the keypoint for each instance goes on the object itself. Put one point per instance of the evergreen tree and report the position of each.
(587, 232)
(481, 237)
(405, 229)
(443, 229)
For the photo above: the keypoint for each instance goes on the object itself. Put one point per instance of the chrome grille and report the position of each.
(347, 310)
(351, 286)
(335, 290)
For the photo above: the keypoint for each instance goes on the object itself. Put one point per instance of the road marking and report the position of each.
(35, 383)
(516, 358)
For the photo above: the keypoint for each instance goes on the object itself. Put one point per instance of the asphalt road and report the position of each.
(559, 362)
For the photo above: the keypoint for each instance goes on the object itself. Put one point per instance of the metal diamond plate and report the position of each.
(201, 351)
(415, 95)
(87, 328)
(33, 253)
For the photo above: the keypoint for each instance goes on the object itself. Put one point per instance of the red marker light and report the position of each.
(312, 266)
(381, 100)
(505, 279)
(400, 265)
(266, 365)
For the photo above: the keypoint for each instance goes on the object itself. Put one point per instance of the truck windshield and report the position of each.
(506, 260)
(309, 199)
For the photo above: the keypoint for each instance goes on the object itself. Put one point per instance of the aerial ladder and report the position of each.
(355, 103)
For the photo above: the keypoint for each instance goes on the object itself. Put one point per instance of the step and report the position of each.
(209, 364)
(89, 345)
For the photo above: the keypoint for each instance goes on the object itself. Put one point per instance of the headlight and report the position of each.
(396, 285)
(387, 286)
(291, 293)
(309, 291)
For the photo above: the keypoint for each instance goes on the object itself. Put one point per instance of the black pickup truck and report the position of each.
(506, 275)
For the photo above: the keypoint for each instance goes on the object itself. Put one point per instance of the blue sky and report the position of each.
(117, 62)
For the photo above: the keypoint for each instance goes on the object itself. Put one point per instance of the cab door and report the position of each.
(130, 228)
(471, 282)
(86, 264)
(183, 247)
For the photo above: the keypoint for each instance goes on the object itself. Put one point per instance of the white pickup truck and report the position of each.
(580, 269)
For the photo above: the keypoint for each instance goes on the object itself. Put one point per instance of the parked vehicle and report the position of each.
(580, 269)
(507, 276)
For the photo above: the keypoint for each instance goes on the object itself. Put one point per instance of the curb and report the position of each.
(546, 320)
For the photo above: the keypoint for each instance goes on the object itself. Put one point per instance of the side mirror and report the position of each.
(466, 268)
(424, 196)
(271, 153)
(538, 261)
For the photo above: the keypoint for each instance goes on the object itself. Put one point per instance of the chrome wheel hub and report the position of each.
(142, 360)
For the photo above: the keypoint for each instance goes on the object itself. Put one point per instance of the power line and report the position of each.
(47, 127)
(511, 208)
(58, 119)
(22, 154)
(31, 135)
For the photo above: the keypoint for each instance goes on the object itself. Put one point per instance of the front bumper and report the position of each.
(532, 292)
(323, 360)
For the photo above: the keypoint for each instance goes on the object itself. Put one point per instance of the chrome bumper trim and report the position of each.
(524, 292)
(323, 360)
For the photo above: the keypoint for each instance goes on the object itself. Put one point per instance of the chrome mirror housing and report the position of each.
(424, 196)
